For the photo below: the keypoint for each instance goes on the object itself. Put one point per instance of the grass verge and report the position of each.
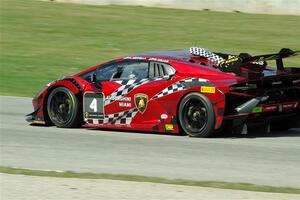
(40, 40)
(212, 184)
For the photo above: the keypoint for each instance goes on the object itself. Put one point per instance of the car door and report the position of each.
(126, 89)
(150, 106)
(114, 85)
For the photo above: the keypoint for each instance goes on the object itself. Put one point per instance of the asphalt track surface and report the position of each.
(267, 159)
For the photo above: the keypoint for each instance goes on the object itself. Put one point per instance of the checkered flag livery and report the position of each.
(212, 57)
(123, 118)
(181, 85)
(127, 86)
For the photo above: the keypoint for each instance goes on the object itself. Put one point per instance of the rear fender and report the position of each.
(217, 99)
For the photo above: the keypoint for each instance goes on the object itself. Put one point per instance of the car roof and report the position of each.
(170, 55)
(159, 56)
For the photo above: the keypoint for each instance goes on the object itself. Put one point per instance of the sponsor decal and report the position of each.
(257, 109)
(126, 87)
(124, 104)
(146, 58)
(136, 57)
(270, 108)
(208, 89)
(289, 106)
(141, 101)
(164, 116)
(158, 59)
(229, 61)
(120, 98)
(169, 127)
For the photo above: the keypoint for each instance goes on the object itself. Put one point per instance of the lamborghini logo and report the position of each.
(141, 101)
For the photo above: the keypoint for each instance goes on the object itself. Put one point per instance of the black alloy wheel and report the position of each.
(63, 108)
(196, 115)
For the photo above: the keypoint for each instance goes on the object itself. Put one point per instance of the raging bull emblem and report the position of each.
(141, 101)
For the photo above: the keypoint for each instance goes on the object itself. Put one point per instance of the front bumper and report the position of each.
(37, 116)
(34, 119)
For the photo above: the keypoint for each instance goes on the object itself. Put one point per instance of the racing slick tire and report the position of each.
(63, 108)
(196, 115)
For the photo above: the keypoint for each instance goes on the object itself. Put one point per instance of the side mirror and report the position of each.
(93, 78)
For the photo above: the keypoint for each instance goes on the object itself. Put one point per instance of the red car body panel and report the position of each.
(161, 112)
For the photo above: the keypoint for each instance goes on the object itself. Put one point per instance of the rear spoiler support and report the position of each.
(283, 52)
(279, 64)
(234, 64)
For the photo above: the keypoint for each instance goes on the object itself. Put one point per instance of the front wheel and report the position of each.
(196, 115)
(63, 108)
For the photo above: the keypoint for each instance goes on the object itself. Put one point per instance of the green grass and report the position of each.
(41, 41)
(212, 184)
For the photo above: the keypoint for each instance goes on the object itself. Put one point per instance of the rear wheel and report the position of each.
(63, 108)
(196, 115)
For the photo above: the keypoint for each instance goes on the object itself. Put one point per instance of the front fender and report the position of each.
(40, 100)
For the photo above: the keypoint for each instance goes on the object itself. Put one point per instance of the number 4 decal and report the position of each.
(93, 105)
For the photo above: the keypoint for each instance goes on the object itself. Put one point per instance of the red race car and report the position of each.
(196, 92)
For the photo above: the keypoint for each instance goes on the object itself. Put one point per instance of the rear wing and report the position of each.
(234, 64)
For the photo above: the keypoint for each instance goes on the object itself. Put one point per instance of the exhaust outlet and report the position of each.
(249, 105)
